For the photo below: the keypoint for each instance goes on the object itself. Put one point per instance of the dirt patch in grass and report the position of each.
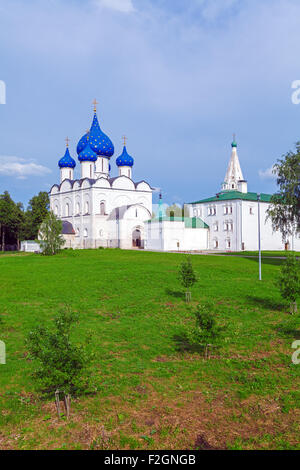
(187, 421)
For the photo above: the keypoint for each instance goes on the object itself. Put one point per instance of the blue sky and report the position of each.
(177, 77)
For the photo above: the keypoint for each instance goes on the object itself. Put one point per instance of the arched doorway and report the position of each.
(136, 238)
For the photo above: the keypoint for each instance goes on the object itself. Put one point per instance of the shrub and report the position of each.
(206, 331)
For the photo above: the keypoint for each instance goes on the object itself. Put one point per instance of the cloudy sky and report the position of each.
(177, 77)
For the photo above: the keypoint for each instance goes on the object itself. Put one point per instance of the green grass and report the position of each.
(151, 393)
(265, 254)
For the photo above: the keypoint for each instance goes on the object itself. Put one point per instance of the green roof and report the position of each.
(231, 195)
(189, 222)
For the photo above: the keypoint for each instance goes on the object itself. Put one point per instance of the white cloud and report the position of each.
(124, 6)
(267, 174)
(21, 168)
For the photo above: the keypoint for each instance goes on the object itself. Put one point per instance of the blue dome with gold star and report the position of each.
(82, 143)
(124, 159)
(100, 142)
(67, 161)
(87, 154)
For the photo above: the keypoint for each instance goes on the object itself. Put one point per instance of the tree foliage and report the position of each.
(186, 273)
(289, 280)
(61, 364)
(50, 238)
(285, 204)
(11, 220)
(17, 224)
(37, 211)
(187, 276)
(206, 330)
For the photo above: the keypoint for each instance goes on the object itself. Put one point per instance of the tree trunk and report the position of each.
(293, 308)
(188, 296)
(3, 238)
(57, 403)
(67, 400)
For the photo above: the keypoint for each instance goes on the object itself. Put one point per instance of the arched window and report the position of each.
(85, 232)
(67, 210)
(216, 243)
(102, 208)
(77, 208)
(128, 173)
(87, 207)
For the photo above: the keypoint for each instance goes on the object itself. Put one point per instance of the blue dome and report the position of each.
(87, 154)
(99, 142)
(82, 143)
(67, 161)
(124, 159)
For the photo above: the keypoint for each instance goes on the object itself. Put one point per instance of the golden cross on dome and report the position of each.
(124, 140)
(67, 141)
(95, 102)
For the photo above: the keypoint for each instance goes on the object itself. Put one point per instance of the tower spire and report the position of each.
(234, 173)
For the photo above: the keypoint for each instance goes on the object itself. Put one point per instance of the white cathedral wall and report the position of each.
(81, 207)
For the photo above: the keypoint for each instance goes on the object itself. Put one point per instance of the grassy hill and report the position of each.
(152, 394)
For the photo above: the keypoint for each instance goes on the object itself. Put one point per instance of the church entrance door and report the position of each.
(136, 238)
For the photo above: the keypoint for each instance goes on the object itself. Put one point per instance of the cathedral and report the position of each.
(98, 210)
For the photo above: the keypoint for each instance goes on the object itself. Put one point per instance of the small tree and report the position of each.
(62, 365)
(187, 277)
(206, 331)
(50, 238)
(289, 281)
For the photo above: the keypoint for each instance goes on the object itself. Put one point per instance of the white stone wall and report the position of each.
(234, 226)
(174, 236)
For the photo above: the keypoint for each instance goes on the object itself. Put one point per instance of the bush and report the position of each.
(187, 276)
(61, 364)
(289, 281)
(206, 331)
